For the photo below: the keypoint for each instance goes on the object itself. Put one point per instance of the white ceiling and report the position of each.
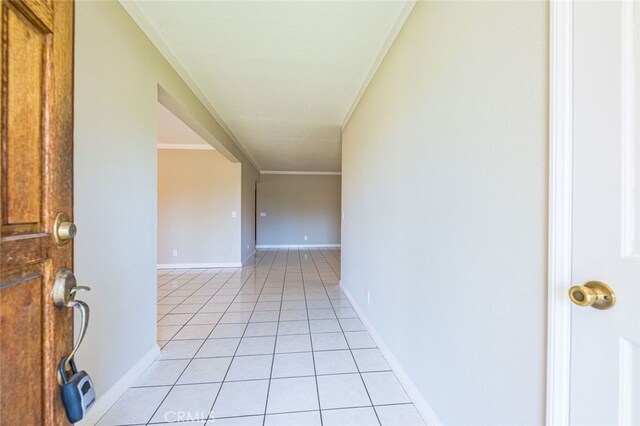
(173, 131)
(282, 75)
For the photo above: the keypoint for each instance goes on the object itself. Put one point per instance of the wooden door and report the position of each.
(605, 344)
(36, 111)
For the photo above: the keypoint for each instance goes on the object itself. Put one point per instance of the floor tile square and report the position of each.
(190, 332)
(265, 316)
(237, 421)
(364, 416)
(384, 388)
(235, 318)
(326, 313)
(257, 329)
(186, 309)
(359, 340)
(399, 415)
(218, 347)
(342, 391)
(370, 360)
(334, 362)
(293, 327)
(293, 343)
(307, 418)
(136, 406)
(293, 365)
(324, 326)
(256, 346)
(241, 398)
(293, 315)
(162, 373)
(351, 324)
(228, 330)
(175, 319)
(298, 394)
(205, 318)
(203, 370)
(328, 341)
(252, 367)
(180, 349)
(190, 401)
(166, 332)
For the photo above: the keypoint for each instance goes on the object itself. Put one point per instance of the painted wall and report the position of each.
(117, 74)
(444, 197)
(299, 205)
(198, 191)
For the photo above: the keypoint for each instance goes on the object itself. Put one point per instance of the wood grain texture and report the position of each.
(36, 112)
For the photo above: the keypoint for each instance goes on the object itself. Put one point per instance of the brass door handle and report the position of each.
(594, 293)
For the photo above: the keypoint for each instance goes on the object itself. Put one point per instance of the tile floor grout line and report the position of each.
(313, 357)
(350, 350)
(245, 329)
(275, 341)
(191, 360)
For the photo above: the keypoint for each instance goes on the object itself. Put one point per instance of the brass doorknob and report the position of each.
(594, 293)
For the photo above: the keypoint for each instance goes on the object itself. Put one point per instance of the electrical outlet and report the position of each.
(263, 214)
(175, 252)
(368, 297)
(247, 246)
(233, 214)
(305, 238)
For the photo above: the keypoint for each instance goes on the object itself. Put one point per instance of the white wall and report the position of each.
(197, 193)
(299, 206)
(117, 74)
(444, 195)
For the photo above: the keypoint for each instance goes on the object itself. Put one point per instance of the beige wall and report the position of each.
(117, 75)
(444, 197)
(197, 193)
(299, 205)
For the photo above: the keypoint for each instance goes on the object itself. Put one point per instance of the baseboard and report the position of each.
(268, 246)
(425, 410)
(105, 402)
(199, 265)
(246, 259)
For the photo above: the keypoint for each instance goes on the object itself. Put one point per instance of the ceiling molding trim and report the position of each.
(147, 27)
(274, 172)
(201, 147)
(395, 30)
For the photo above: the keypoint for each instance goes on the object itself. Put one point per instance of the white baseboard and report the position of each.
(268, 246)
(199, 265)
(244, 262)
(105, 401)
(425, 410)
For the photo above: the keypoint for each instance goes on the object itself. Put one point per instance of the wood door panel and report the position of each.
(22, 374)
(36, 165)
(22, 148)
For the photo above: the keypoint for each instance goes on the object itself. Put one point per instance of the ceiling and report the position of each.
(281, 75)
(173, 131)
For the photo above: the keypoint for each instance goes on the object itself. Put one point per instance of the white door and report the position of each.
(605, 347)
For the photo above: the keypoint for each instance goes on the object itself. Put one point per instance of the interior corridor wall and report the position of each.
(117, 74)
(297, 206)
(445, 206)
(198, 194)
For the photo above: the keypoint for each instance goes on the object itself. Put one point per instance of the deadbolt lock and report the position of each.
(63, 229)
(594, 293)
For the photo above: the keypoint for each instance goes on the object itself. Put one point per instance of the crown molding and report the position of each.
(395, 30)
(186, 146)
(274, 172)
(152, 34)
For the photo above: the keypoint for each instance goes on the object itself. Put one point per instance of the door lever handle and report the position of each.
(63, 294)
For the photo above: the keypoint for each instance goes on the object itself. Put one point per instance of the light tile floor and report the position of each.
(273, 343)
